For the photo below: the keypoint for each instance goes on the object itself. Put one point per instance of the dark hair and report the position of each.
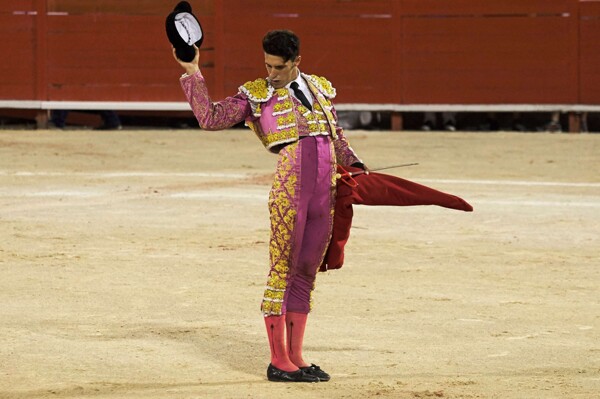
(282, 43)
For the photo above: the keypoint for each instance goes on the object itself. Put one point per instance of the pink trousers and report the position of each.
(313, 224)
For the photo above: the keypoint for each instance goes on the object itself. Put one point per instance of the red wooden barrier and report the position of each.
(378, 51)
(111, 51)
(589, 53)
(350, 42)
(474, 52)
(18, 49)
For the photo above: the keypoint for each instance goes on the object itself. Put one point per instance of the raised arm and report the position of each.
(211, 116)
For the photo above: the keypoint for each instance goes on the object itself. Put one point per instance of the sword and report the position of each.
(353, 183)
(350, 174)
(394, 166)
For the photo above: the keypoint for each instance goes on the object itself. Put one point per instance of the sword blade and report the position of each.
(378, 169)
(394, 166)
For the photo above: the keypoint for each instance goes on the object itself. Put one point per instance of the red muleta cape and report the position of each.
(377, 189)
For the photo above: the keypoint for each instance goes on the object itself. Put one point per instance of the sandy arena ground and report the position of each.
(133, 262)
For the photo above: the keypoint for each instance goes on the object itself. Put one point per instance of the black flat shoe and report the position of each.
(316, 371)
(275, 374)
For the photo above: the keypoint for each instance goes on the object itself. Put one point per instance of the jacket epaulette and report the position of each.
(261, 91)
(258, 90)
(322, 84)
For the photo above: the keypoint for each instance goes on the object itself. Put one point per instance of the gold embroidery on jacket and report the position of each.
(323, 85)
(258, 90)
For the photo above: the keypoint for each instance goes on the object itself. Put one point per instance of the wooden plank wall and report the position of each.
(350, 42)
(18, 49)
(374, 51)
(481, 52)
(110, 50)
(589, 52)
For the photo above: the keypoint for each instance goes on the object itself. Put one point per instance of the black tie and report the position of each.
(300, 95)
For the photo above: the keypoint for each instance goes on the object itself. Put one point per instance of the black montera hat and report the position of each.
(183, 31)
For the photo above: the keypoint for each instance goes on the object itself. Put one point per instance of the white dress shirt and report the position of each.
(302, 85)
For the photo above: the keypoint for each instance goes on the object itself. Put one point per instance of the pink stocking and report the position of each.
(276, 333)
(295, 325)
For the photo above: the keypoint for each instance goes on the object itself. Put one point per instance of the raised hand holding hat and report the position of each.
(184, 32)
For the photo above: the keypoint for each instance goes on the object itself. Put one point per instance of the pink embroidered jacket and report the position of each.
(274, 115)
